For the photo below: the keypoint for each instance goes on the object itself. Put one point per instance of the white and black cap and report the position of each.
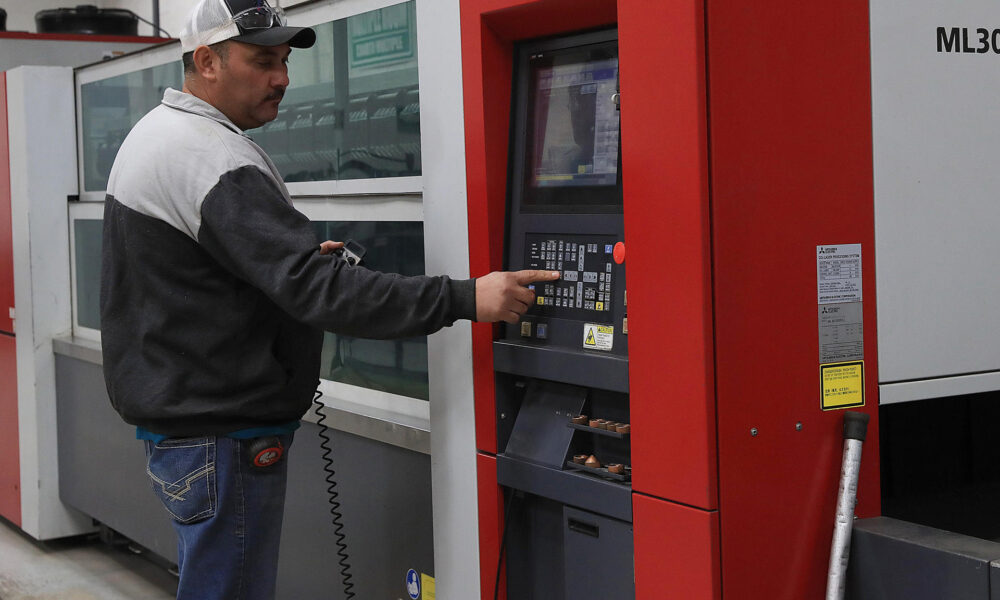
(249, 21)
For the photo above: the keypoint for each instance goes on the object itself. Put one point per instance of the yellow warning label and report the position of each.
(540, 300)
(598, 337)
(843, 384)
(426, 587)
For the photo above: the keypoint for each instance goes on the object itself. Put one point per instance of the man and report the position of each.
(215, 292)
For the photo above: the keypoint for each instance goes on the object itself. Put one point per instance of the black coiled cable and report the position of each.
(343, 557)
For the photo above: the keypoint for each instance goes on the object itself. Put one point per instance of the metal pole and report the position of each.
(156, 18)
(855, 428)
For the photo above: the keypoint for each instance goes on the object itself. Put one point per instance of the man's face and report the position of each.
(251, 83)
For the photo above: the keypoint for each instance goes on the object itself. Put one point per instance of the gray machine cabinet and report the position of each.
(897, 560)
(384, 492)
(598, 556)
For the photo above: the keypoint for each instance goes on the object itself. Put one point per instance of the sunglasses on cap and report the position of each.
(259, 17)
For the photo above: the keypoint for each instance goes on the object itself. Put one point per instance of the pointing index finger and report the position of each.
(531, 275)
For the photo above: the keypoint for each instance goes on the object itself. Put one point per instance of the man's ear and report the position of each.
(206, 62)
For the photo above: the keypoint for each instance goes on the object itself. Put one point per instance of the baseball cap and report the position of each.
(249, 21)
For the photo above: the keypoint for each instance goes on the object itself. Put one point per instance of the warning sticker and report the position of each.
(838, 273)
(427, 585)
(843, 385)
(598, 337)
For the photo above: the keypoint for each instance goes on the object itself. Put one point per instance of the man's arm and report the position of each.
(252, 232)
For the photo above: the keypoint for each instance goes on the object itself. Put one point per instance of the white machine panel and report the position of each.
(42, 176)
(935, 83)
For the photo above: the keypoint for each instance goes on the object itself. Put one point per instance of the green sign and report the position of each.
(381, 36)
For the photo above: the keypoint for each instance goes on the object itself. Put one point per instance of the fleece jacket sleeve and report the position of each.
(247, 226)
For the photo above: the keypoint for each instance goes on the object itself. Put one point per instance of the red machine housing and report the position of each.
(10, 484)
(746, 143)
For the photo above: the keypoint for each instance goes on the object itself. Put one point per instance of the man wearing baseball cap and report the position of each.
(215, 293)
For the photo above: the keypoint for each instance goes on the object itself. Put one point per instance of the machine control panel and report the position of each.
(589, 273)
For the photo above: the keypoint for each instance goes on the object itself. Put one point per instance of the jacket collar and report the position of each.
(195, 105)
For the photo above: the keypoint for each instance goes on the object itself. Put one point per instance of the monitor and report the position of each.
(568, 146)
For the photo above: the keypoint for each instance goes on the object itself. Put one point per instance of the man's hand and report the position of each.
(327, 247)
(502, 295)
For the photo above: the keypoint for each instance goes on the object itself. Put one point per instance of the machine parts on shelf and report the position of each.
(614, 471)
(600, 426)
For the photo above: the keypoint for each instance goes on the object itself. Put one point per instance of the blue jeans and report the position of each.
(227, 515)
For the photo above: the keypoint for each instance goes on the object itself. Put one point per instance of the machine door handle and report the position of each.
(585, 528)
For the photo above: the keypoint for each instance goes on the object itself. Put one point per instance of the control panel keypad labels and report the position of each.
(585, 289)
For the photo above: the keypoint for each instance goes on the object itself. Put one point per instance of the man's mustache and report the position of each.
(278, 95)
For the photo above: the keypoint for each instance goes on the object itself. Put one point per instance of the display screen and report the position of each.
(571, 130)
(576, 124)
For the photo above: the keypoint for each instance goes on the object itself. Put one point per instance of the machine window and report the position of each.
(88, 235)
(394, 366)
(111, 107)
(352, 110)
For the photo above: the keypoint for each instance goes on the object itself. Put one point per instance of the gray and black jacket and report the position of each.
(213, 292)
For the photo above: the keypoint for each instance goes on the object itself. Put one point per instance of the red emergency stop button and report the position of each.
(619, 252)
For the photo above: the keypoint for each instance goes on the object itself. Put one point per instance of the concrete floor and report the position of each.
(81, 568)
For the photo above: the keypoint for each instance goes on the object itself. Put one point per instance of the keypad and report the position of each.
(585, 289)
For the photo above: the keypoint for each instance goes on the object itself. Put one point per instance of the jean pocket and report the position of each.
(182, 472)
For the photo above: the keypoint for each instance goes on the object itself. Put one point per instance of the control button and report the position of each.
(525, 328)
(619, 252)
(540, 300)
(608, 248)
(600, 306)
(607, 268)
(542, 331)
(589, 277)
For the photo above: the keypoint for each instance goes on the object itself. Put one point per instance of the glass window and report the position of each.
(394, 366)
(111, 107)
(352, 110)
(88, 234)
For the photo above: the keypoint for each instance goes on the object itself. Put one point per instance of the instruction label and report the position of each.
(843, 385)
(841, 332)
(598, 337)
(838, 273)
